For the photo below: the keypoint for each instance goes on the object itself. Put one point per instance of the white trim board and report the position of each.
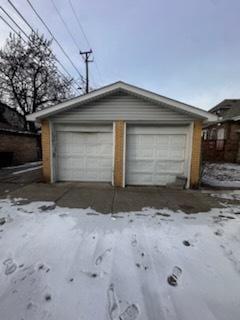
(122, 86)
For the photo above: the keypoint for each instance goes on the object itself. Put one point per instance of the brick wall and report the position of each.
(46, 151)
(196, 154)
(231, 144)
(24, 147)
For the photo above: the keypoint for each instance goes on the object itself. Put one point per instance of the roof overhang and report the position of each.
(122, 86)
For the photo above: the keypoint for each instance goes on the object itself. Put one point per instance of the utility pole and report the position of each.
(86, 55)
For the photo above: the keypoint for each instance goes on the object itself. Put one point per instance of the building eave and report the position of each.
(109, 89)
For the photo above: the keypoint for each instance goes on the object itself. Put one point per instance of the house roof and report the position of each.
(228, 109)
(121, 86)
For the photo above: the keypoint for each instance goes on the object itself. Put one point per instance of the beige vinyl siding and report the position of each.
(122, 106)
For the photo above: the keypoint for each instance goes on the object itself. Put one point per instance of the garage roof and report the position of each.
(121, 86)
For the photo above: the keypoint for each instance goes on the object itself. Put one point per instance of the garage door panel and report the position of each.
(161, 140)
(172, 167)
(155, 155)
(140, 151)
(106, 150)
(143, 179)
(141, 166)
(76, 162)
(145, 139)
(163, 179)
(84, 156)
(104, 138)
(105, 163)
(178, 140)
(176, 154)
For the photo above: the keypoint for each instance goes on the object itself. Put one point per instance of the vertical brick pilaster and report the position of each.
(46, 154)
(119, 154)
(196, 154)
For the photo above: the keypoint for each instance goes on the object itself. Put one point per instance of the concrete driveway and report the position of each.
(102, 197)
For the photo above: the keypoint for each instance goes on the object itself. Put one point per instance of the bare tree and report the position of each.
(29, 78)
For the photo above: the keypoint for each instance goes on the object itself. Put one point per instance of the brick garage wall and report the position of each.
(46, 151)
(25, 147)
(196, 154)
(119, 153)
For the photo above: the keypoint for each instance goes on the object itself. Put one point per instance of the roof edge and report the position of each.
(128, 88)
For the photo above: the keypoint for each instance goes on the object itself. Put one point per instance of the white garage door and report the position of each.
(155, 155)
(84, 153)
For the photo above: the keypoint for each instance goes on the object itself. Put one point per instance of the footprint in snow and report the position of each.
(131, 313)
(48, 297)
(186, 243)
(31, 306)
(10, 266)
(113, 307)
(2, 221)
(173, 278)
(231, 256)
(100, 258)
(189, 217)
(93, 274)
(163, 214)
(218, 232)
(43, 267)
(226, 217)
(134, 241)
(47, 208)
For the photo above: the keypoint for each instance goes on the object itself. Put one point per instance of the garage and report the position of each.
(84, 153)
(156, 155)
(124, 135)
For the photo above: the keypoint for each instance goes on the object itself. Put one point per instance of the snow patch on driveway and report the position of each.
(61, 263)
(227, 195)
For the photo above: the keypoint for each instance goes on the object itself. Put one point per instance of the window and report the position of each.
(220, 133)
(213, 134)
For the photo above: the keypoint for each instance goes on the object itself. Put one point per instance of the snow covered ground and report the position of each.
(24, 165)
(60, 263)
(221, 174)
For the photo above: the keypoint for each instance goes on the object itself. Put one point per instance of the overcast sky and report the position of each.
(188, 50)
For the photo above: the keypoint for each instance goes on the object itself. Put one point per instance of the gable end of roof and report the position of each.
(124, 87)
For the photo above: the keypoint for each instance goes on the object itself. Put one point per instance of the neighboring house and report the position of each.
(122, 134)
(16, 145)
(221, 140)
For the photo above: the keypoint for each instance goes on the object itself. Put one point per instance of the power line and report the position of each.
(1, 17)
(65, 24)
(85, 36)
(31, 28)
(69, 31)
(19, 13)
(8, 15)
(18, 34)
(79, 23)
(50, 32)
